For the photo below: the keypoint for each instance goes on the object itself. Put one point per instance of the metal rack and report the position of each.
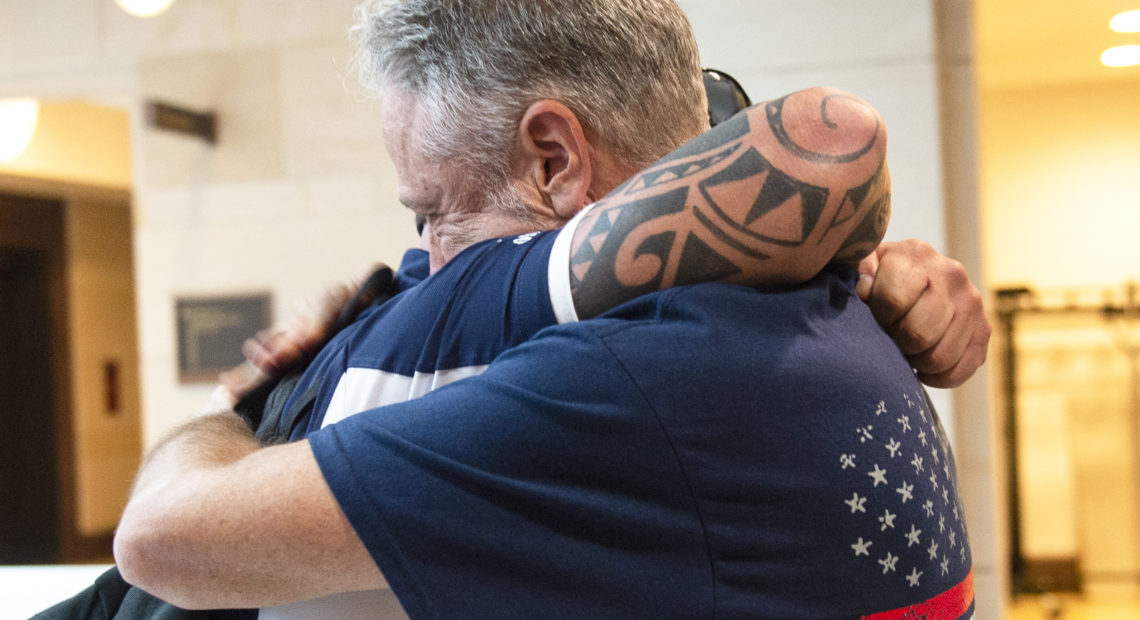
(1120, 311)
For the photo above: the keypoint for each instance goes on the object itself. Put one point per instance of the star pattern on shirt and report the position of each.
(906, 491)
(908, 502)
(912, 537)
(917, 462)
(894, 447)
(888, 520)
(913, 578)
(857, 503)
(878, 475)
(888, 563)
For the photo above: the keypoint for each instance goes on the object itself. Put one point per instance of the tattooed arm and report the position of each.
(768, 197)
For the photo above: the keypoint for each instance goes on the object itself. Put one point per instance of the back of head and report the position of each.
(628, 69)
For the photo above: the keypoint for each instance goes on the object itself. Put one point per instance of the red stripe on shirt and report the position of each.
(951, 604)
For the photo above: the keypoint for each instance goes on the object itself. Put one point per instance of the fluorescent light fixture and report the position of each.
(144, 8)
(1128, 21)
(18, 118)
(1121, 56)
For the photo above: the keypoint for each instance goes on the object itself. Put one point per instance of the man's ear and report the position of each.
(554, 156)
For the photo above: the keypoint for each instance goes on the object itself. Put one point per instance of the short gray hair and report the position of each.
(629, 69)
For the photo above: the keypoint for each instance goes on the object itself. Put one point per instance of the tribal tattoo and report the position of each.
(766, 198)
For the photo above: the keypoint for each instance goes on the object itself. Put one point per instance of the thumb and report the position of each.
(867, 269)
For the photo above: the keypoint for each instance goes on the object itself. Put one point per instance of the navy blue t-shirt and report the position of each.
(492, 296)
(705, 451)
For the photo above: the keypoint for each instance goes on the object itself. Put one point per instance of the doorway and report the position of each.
(30, 264)
(27, 444)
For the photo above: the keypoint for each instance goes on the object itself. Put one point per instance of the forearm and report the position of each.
(204, 442)
(153, 526)
(769, 197)
(214, 521)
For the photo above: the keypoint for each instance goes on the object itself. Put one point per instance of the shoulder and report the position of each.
(765, 312)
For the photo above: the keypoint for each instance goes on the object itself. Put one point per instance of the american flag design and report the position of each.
(900, 501)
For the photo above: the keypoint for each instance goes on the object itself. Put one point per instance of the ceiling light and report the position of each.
(1122, 56)
(18, 119)
(144, 8)
(1129, 21)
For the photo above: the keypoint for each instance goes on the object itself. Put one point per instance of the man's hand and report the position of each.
(929, 307)
(272, 352)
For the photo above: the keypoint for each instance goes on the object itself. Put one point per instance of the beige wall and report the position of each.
(101, 296)
(296, 194)
(1063, 163)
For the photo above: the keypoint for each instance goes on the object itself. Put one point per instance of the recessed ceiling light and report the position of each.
(18, 119)
(1128, 21)
(144, 8)
(1122, 56)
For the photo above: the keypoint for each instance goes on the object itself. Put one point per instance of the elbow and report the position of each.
(858, 137)
(827, 137)
(132, 556)
(137, 555)
(146, 553)
(857, 129)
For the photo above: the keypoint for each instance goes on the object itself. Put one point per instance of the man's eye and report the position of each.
(420, 221)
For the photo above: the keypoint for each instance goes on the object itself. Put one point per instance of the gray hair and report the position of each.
(629, 70)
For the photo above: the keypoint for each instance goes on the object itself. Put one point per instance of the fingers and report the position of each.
(962, 349)
(926, 324)
(969, 362)
(233, 384)
(899, 281)
(867, 269)
(932, 311)
(274, 351)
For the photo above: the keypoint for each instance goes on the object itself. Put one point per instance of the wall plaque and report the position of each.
(211, 331)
